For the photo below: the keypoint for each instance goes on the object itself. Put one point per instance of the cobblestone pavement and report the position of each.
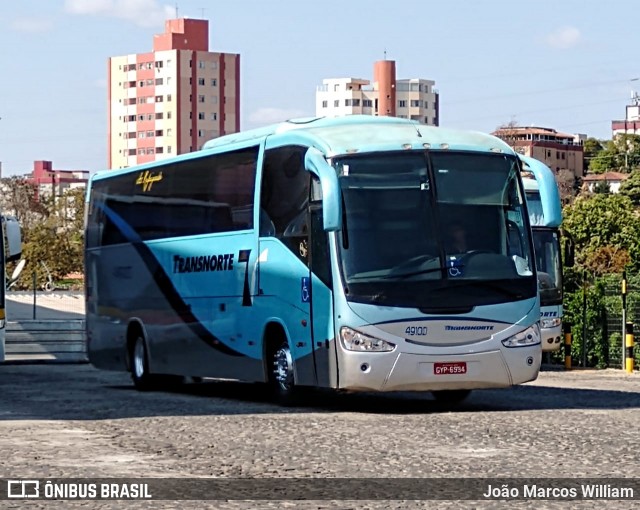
(75, 421)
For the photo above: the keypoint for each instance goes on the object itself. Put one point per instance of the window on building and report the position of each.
(201, 64)
(159, 150)
(132, 134)
(168, 97)
(201, 98)
(132, 152)
(158, 99)
(142, 134)
(159, 63)
(356, 102)
(150, 116)
(426, 120)
(131, 118)
(168, 149)
(324, 104)
(347, 102)
(159, 115)
(150, 134)
(132, 84)
(140, 117)
(557, 154)
(426, 104)
(149, 82)
(367, 103)
(169, 132)
(140, 152)
(214, 99)
(158, 132)
(168, 114)
(214, 65)
(214, 116)
(563, 155)
(168, 80)
(200, 81)
(214, 82)
(200, 133)
(336, 87)
(402, 103)
(158, 81)
(414, 87)
(336, 103)
(415, 103)
(200, 115)
(131, 67)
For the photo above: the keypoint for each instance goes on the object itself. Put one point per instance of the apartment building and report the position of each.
(414, 99)
(559, 151)
(172, 100)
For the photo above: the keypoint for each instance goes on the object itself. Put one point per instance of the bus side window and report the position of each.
(285, 186)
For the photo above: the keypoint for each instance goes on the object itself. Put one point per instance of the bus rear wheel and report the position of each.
(450, 396)
(142, 379)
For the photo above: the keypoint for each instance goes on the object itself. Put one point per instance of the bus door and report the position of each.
(321, 296)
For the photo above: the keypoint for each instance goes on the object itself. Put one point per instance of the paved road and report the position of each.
(74, 421)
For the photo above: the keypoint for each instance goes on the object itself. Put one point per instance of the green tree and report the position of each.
(53, 237)
(603, 221)
(592, 148)
(631, 187)
(622, 154)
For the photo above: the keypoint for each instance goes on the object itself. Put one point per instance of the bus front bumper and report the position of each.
(395, 371)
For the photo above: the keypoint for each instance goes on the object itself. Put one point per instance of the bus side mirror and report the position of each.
(13, 237)
(316, 163)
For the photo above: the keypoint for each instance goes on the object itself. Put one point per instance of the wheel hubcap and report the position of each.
(283, 368)
(138, 359)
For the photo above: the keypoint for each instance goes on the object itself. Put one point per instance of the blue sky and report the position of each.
(562, 64)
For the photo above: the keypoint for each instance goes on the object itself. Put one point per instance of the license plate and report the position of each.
(456, 367)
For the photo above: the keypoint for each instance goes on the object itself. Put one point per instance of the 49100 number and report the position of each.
(416, 330)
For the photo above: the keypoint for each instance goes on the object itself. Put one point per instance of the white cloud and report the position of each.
(31, 25)
(145, 13)
(265, 116)
(564, 38)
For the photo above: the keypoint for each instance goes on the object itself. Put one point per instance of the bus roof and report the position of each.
(342, 135)
(361, 133)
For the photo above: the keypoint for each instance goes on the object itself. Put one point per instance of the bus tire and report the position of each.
(450, 396)
(142, 379)
(281, 376)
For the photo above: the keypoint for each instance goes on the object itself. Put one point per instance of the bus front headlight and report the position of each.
(551, 323)
(353, 340)
(526, 338)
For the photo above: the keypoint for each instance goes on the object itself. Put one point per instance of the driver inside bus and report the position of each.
(457, 239)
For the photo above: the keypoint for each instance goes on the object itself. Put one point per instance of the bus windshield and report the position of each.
(547, 250)
(434, 230)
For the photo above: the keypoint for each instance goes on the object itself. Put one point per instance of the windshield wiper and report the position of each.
(421, 271)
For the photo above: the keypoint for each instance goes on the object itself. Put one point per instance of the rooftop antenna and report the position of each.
(202, 10)
(385, 53)
(177, 10)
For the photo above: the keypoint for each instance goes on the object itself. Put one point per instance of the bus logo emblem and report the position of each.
(146, 180)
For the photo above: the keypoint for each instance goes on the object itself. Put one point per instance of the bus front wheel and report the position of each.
(282, 378)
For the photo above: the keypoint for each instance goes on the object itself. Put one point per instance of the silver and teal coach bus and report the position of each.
(318, 252)
(545, 216)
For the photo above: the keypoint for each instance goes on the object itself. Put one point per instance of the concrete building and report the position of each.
(414, 99)
(559, 151)
(631, 123)
(172, 100)
(50, 181)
